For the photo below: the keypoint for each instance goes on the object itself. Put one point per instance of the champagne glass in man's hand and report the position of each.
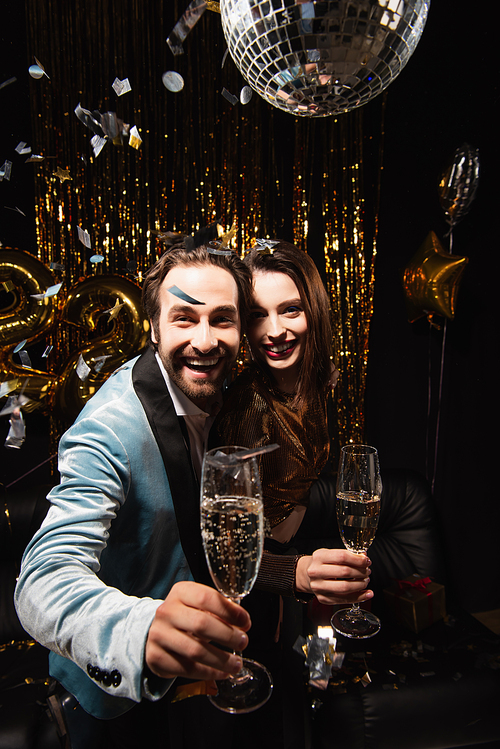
(359, 487)
(232, 528)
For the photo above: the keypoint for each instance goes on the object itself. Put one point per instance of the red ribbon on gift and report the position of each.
(420, 584)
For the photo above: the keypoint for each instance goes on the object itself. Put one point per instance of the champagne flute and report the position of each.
(359, 487)
(232, 526)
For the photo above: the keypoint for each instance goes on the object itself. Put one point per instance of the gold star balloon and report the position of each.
(431, 280)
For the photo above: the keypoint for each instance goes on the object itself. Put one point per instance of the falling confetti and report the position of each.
(82, 369)
(22, 148)
(246, 94)
(84, 236)
(121, 87)
(173, 81)
(231, 98)
(51, 291)
(37, 70)
(62, 174)
(135, 139)
(113, 312)
(5, 170)
(186, 22)
(8, 82)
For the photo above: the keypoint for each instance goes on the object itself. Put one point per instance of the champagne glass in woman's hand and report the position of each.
(359, 487)
(232, 528)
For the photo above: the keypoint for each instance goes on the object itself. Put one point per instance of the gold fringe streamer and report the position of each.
(201, 159)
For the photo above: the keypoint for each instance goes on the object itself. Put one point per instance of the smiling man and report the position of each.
(108, 582)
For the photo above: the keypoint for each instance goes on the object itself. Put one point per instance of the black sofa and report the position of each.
(25, 686)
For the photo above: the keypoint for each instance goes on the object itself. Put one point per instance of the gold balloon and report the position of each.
(23, 275)
(431, 280)
(23, 317)
(92, 304)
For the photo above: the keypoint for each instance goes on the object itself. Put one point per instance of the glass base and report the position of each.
(355, 623)
(245, 692)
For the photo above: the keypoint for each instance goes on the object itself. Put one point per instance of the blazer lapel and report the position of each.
(152, 391)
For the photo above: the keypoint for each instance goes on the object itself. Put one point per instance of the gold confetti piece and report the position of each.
(8, 286)
(62, 174)
(7, 386)
(113, 312)
(226, 238)
(135, 139)
(195, 688)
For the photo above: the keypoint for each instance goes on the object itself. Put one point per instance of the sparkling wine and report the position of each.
(232, 532)
(357, 514)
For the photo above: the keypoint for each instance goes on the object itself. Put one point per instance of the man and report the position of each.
(107, 583)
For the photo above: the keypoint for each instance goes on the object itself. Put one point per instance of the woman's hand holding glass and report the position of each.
(334, 576)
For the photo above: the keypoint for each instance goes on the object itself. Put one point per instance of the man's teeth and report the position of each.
(201, 362)
(280, 348)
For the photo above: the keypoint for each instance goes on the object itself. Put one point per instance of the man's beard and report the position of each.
(195, 389)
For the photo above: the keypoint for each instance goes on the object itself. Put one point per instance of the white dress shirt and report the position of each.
(198, 422)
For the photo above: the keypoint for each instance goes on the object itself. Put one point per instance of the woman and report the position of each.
(281, 397)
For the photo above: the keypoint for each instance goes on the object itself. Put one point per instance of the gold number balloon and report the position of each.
(109, 307)
(23, 316)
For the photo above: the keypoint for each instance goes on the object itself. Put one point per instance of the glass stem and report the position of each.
(243, 674)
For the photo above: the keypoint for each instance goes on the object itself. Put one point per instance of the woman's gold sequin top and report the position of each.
(255, 414)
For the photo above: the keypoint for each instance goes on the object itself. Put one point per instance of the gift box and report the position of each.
(416, 602)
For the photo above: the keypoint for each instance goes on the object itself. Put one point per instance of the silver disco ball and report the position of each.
(324, 57)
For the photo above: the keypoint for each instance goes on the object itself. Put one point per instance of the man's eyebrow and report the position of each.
(188, 308)
(226, 308)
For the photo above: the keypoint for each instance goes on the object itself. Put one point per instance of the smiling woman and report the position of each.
(281, 396)
(277, 327)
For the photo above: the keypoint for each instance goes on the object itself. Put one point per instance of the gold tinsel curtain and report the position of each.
(200, 159)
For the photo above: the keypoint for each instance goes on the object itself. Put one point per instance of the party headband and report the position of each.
(266, 246)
